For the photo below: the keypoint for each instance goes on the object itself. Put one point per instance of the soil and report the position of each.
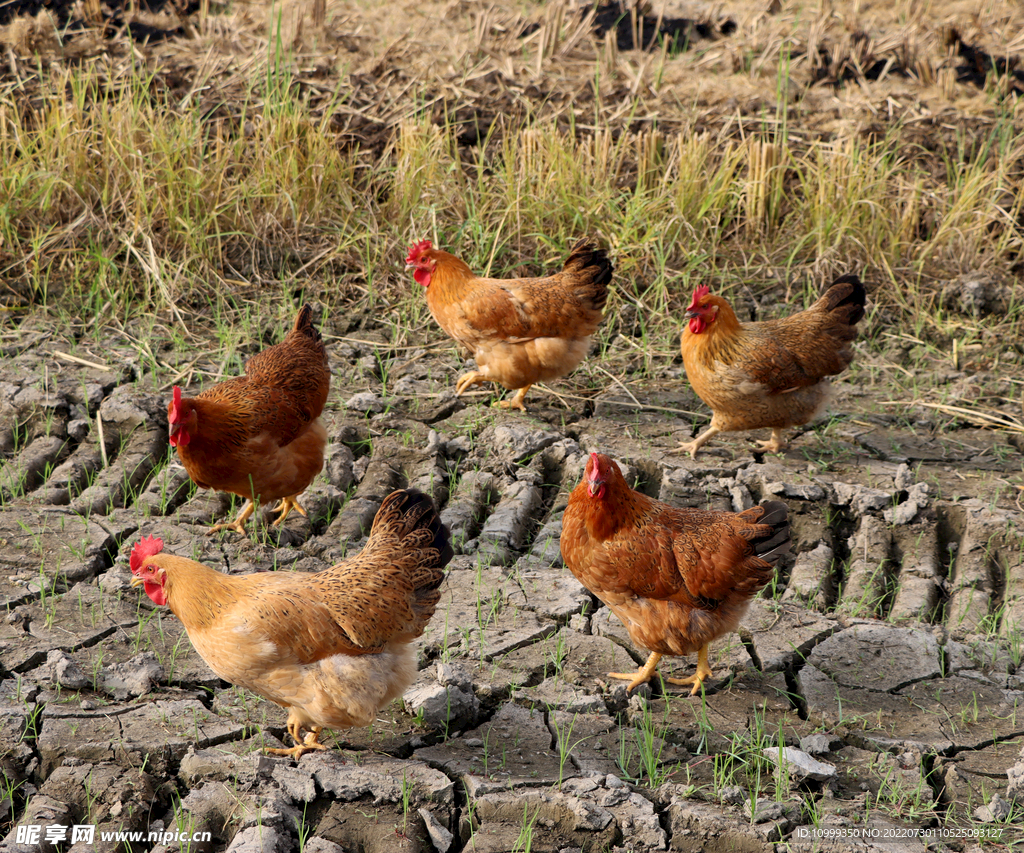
(887, 649)
(907, 540)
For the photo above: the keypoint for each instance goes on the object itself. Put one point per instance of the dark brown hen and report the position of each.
(677, 578)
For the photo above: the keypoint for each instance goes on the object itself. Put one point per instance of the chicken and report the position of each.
(259, 435)
(332, 647)
(521, 330)
(771, 373)
(677, 578)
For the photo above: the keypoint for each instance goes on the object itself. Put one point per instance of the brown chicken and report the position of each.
(771, 373)
(677, 578)
(333, 647)
(259, 435)
(521, 330)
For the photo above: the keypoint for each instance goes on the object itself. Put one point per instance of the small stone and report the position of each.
(440, 837)
(733, 795)
(365, 401)
(799, 764)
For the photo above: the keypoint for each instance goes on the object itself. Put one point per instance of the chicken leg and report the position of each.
(647, 671)
(691, 447)
(285, 507)
(238, 525)
(641, 676)
(697, 679)
(309, 743)
(517, 400)
(474, 377)
(776, 444)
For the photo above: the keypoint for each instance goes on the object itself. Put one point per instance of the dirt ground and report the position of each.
(888, 649)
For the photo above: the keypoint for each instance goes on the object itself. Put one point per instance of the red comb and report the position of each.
(417, 249)
(175, 413)
(698, 294)
(146, 547)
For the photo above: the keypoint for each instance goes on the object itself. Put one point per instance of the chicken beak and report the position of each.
(136, 582)
(594, 487)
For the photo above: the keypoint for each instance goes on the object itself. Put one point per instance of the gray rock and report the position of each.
(906, 512)
(997, 810)
(733, 795)
(136, 677)
(316, 844)
(260, 839)
(861, 498)
(765, 810)
(1015, 784)
(365, 401)
(443, 707)
(440, 837)
(514, 443)
(66, 671)
(817, 744)
(808, 576)
(800, 765)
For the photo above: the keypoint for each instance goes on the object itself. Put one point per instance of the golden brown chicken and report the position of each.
(677, 578)
(771, 373)
(333, 647)
(520, 331)
(259, 435)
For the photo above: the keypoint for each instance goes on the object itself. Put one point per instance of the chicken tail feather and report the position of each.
(304, 324)
(409, 517)
(775, 542)
(845, 299)
(587, 260)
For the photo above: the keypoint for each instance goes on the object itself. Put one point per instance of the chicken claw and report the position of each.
(238, 525)
(309, 743)
(516, 402)
(775, 444)
(285, 507)
(692, 447)
(474, 377)
(642, 676)
(648, 671)
(697, 679)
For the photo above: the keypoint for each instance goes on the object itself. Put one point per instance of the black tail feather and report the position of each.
(848, 292)
(773, 545)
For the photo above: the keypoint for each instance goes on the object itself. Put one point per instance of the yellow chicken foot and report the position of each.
(697, 679)
(642, 676)
(310, 743)
(775, 444)
(238, 525)
(691, 447)
(285, 507)
(474, 377)
(517, 400)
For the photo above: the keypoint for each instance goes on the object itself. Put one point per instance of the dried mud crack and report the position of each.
(885, 651)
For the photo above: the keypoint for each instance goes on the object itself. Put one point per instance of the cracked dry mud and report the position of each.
(885, 657)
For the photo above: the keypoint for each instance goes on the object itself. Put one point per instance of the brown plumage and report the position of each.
(677, 578)
(520, 331)
(259, 435)
(771, 373)
(332, 647)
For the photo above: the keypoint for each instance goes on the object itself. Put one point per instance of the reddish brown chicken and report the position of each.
(333, 647)
(771, 373)
(259, 435)
(520, 331)
(677, 578)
